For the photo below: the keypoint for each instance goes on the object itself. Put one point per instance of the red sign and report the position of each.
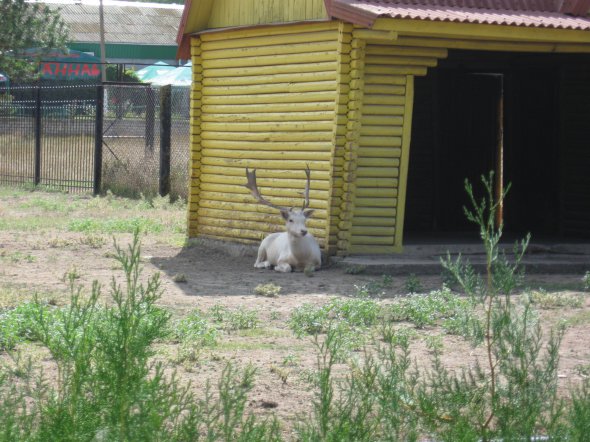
(59, 70)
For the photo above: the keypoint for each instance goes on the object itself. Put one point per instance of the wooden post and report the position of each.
(37, 176)
(98, 139)
(500, 154)
(165, 138)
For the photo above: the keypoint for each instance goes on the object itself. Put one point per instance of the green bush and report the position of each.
(108, 386)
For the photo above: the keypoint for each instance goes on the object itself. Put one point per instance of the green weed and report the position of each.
(269, 290)
(550, 300)
(413, 284)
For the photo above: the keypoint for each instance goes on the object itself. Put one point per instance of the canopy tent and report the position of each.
(148, 73)
(180, 76)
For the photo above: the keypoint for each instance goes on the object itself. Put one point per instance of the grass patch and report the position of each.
(552, 300)
(115, 225)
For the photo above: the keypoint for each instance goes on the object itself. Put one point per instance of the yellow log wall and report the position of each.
(226, 13)
(266, 102)
(382, 155)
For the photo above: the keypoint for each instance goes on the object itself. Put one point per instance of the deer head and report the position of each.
(294, 218)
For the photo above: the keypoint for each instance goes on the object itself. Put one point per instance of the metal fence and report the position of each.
(96, 138)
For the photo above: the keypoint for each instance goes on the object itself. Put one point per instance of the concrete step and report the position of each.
(541, 258)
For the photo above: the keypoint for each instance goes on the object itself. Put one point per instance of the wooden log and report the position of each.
(405, 159)
(272, 88)
(244, 212)
(263, 173)
(376, 172)
(300, 68)
(397, 50)
(309, 146)
(268, 164)
(381, 131)
(386, 89)
(368, 34)
(376, 120)
(384, 99)
(376, 69)
(282, 126)
(295, 97)
(379, 152)
(230, 234)
(232, 109)
(294, 49)
(252, 207)
(373, 231)
(314, 136)
(265, 182)
(269, 60)
(363, 181)
(375, 212)
(375, 192)
(267, 155)
(206, 195)
(378, 162)
(286, 39)
(376, 109)
(273, 79)
(239, 224)
(400, 60)
(373, 221)
(480, 45)
(293, 193)
(375, 202)
(371, 240)
(367, 141)
(324, 118)
(271, 33)
(385, 79)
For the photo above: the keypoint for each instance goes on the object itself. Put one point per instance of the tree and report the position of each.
(24, 26)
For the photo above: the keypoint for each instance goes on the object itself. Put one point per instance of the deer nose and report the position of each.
(303, 232)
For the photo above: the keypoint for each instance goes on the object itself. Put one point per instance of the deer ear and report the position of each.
(285, 214)
(308, 213)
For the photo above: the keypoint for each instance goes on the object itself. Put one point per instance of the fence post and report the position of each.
(165, 138)
(150, 118)
(38, 122)
(98, 139)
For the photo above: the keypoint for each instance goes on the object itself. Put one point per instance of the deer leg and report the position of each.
(284, 267)
(261, 260)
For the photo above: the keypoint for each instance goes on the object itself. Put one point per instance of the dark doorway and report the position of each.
(455, 135)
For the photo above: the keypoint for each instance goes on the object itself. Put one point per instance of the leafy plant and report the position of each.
(195, 329)
(413, 284)
(430, 309)
(269, 290)
(354, 312)
(586, 280)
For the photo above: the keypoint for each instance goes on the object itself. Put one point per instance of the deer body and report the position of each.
(295, 249)
(290, 250)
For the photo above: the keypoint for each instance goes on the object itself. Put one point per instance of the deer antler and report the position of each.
(253, 187)
(306, 193)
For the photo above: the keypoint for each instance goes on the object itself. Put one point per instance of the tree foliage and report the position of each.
(24, 26)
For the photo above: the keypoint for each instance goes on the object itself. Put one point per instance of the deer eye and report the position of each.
(290, 220)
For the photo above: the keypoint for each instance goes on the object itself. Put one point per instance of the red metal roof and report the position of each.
(529, 13)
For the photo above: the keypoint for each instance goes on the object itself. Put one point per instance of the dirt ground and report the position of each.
(36, 260)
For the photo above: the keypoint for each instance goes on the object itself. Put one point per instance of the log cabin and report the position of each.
(392, 104)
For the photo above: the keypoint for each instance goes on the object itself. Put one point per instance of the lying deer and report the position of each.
(294, 249)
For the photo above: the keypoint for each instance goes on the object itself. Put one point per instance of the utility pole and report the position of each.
(103, 66)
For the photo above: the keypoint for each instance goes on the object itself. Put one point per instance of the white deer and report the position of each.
(294, 249)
